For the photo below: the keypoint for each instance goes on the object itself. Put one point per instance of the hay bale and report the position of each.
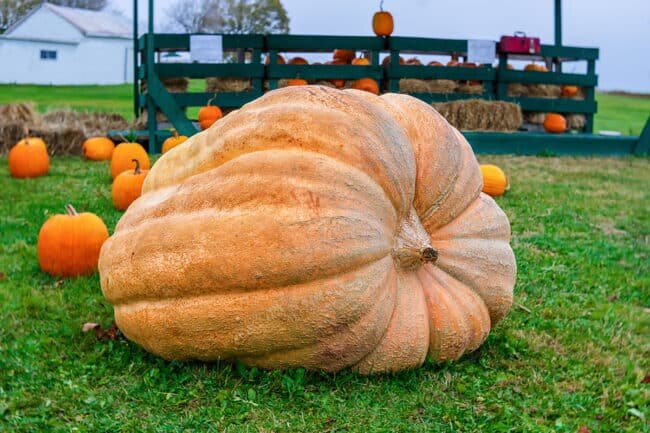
(17, 113)
(61, 140)
(89, 122)
(576, 122)
(173, 85)
(474, 89)
(481, 115)
(534, 117)
(442, 86)
(517, 89)
(412, 85)
(227, 84)
(544, 90)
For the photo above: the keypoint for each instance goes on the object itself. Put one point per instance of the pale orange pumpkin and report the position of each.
(495, 181)
(98, 148)
(173, 141)
(208, 115)
(282, 241)
(68, 245)
(28, 158)
(366, 84)
(382, 22)
(434, 63)
(123, 157)
(535, 67)
(555, 123)
(413, 61)
(127, 186)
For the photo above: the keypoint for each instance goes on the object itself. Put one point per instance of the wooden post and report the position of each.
(558, 32)
(151, 106)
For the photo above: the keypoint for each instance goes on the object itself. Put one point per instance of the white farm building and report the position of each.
(62, 45)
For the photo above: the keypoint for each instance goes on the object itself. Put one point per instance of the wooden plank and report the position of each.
(569, 53)
(318, 43)
(163, 99)
(530, 143)
(324, 72)
(429, 45)
(643, 145)
(510, 76)
(446, 97)
(222, 99)
(181, 42)
(440, 72)
(202, 70)
(558, 105)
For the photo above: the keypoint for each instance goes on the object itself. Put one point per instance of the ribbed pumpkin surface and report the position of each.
(318, 228)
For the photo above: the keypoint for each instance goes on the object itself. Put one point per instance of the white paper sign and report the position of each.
(480, 51)
(206, 48)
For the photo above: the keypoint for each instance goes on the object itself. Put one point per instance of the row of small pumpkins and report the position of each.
(129, 165)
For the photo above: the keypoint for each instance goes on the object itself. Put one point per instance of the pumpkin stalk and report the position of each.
(429, 255)
(381, 5)
(137, 166)
(70, 210)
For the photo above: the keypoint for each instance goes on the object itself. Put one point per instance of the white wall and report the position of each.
(92, 61)
(45, 24)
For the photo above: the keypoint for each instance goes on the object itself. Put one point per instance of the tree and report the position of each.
(230, 16)
(12, 10)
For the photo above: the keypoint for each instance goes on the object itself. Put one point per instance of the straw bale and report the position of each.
(481, 115)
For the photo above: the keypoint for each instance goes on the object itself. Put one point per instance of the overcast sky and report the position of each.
(621, 29)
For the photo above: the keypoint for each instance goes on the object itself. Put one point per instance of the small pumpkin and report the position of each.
(208, 115)
(173, 141)
(124, 154)
(68, 245)
(413, 61)
(298, 61)
(29, 158)
(434, 63)
(495, 181)
(555, 123)
(297, 82)
(382, 22)
(279, 60)
(127, 186)
(535, 67)
(366, 84)
(98, 148)
(569, 91)
(345, 56)
(386, 61)
(452, 63)
(361, 61)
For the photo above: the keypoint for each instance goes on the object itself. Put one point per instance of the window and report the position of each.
(48, 55)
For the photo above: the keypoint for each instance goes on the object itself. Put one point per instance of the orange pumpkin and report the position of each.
(452, 63)
(361, 61)
(535, 67)
(68, 245)
(280, 60)
(386, 60)
(555, 123)
(173, 141)
(413, 61)
(98, 148)
(208, 115)
(29, 158)
(366, 245)
(123, 157)
(434, 63)
(366, 84)
(127, 186)
(298, 61)
(569, 91)
(297, 82)
(345, 56)
(495, 181)
(382, 22)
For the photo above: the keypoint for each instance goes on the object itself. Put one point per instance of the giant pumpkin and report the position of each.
(282, 241)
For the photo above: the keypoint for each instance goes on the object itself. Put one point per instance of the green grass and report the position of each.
(581, 235)
(626, 114)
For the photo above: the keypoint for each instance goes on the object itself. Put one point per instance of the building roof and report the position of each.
(89, 23)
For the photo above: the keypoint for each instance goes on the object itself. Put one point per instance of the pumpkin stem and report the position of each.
(381, 5)
(210, 100)
(137, 166)
(174, 132)
(70, 210)
(429, 254)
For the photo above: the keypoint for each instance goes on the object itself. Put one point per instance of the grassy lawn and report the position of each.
(574, 354)
(626, 114)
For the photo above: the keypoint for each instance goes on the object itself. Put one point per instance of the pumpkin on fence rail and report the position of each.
(554, 123)
(382, 22)
(368, 245)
